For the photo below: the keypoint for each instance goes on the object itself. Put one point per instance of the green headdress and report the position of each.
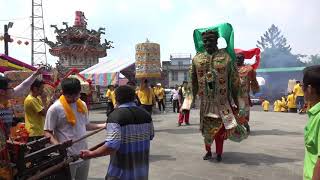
(225, 30)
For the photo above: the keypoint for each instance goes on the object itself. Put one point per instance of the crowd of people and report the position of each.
(221, 85)
(294, 102)
(150, 97)
(66, 118)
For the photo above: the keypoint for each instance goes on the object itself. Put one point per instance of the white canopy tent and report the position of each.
(106, 72)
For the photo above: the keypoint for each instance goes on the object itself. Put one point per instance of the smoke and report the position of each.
(276, 58)
(277, 83)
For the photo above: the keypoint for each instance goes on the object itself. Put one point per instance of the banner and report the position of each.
(103, 79)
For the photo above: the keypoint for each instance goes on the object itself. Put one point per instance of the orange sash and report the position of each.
(71, 118)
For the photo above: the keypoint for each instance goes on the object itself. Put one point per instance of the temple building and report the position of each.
(76, 46)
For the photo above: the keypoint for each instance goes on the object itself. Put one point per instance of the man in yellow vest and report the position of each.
(277, 106)
(265, 105)
(283, 105)
(146, 96)
(35, 111)
(111, 99)
(159, 93)
(299, 94)
(292, 103)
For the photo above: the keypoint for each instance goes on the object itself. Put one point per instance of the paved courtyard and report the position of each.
(274, 150)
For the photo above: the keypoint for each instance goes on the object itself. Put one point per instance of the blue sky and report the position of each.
(170, 22)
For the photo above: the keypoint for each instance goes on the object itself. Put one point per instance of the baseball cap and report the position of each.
(4, 82)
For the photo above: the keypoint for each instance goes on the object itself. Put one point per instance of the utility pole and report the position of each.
(6, 40)
(7, 37)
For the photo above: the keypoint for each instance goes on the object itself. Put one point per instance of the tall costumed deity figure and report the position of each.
(248, 79)
(216, 81)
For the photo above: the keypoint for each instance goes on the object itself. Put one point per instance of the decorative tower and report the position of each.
(148, 64)
(76, 46)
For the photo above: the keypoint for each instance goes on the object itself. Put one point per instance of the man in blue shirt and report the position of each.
(129, 132)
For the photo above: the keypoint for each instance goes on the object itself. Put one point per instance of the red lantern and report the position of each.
(26, 43)
(19, 42)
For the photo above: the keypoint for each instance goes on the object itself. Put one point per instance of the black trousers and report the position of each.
(109, 107)
(148, 108)
(161, 103)
(293, 110)
(175, 104)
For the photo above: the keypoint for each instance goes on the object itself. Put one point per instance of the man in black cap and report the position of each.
(6, 113)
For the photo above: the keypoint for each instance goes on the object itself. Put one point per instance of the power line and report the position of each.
(15, 19)
(21, 37)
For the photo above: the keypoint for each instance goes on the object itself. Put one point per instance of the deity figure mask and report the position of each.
(210, 40)
(240, 59)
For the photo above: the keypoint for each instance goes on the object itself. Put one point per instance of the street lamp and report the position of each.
(10, 24)
(7, 37)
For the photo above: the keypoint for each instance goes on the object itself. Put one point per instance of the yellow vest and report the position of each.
(283, 105)
(291, 101)
(277, 106)
(111, 95)
(146, 96)
(33, 119)
(159, 92)
(266, 105)
(297, 90)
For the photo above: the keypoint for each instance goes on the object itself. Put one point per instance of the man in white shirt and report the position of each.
(175, 99)
(67, 119)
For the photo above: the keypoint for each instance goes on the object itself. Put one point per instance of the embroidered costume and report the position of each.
(216, 81)
(248, 80)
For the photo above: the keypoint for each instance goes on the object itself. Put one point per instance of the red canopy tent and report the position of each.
(8, 63)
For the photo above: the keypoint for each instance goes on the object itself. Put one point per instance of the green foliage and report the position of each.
(272, 39)
(275, 50)
(313, 60)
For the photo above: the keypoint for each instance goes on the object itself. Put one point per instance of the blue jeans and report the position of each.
(300, 102)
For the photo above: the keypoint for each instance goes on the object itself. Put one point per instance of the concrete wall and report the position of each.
(180, 78)
(185, 61)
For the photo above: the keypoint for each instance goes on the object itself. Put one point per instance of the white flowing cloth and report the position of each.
(186, 105)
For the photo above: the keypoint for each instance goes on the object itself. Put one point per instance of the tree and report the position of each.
(275, 50)
(313, 60)
(272, 39)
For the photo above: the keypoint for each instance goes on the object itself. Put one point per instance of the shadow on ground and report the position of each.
(180, 130)
(155, 158)
(253, 159)
(275, 132)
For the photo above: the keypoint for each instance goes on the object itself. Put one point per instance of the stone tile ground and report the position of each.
(274, 150)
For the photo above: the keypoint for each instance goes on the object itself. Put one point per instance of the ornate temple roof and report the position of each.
(78, 40)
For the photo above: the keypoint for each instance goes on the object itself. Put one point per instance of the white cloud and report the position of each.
(171, 23)
(122, 7)
(165, 5)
